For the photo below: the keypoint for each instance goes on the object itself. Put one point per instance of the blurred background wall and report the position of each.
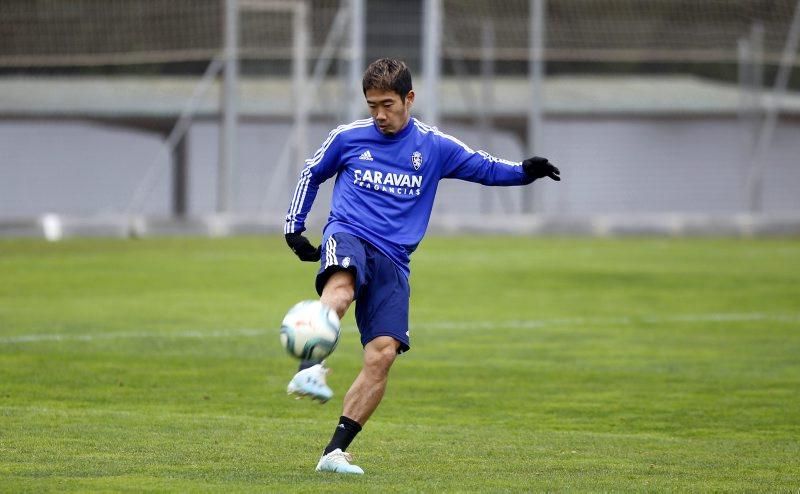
(122, 112)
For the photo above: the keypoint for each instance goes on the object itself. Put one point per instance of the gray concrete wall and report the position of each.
(672, 165)
(610, 166)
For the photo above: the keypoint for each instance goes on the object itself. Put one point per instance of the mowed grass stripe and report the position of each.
(536, 365)
(436, 325)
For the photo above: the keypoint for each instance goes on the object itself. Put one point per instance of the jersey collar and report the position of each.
(403, 132)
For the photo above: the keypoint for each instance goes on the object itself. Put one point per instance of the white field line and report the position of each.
(620, 320)
(37, 337)
(149, 414)
(439, 325)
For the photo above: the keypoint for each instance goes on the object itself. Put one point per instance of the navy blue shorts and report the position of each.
(382, 290)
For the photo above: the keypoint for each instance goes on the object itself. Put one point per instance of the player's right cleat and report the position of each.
(311, 382)
(338, 461)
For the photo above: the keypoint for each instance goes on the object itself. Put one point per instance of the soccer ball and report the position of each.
(310, 330)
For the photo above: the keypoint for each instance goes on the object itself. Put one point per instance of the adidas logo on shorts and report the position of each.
(366, 156)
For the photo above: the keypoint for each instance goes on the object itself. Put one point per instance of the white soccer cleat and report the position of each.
(338, 461)
(311, 382)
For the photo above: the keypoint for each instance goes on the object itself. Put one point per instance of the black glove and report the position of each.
(537, 167)
(302, 247)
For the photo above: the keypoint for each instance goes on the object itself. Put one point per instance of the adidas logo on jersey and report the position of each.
(366, 156)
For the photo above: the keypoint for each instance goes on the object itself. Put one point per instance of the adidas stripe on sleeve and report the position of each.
(462, 162)
(319, 168)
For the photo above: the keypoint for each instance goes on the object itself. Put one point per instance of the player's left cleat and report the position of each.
(338, 461)
(311, 382)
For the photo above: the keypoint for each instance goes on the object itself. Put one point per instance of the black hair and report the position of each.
(388, 74)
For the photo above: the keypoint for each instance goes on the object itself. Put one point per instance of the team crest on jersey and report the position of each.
(416, 159)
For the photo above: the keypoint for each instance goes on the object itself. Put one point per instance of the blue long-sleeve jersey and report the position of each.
(386, 184)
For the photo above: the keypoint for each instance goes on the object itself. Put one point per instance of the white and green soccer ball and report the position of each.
(310, 330)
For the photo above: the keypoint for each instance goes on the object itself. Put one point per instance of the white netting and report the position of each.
(95, 32)
(111, 32)
(267, 26)
(619, 30)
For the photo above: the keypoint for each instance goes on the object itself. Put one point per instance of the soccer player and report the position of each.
(387, 170)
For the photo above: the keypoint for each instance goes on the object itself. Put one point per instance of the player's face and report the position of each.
(390, 113)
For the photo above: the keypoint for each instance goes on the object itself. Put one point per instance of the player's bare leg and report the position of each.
(360, 401)
(310, 378)
(339, 292)
(367, 390)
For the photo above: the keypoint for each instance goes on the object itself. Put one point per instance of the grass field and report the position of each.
(536, 365)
